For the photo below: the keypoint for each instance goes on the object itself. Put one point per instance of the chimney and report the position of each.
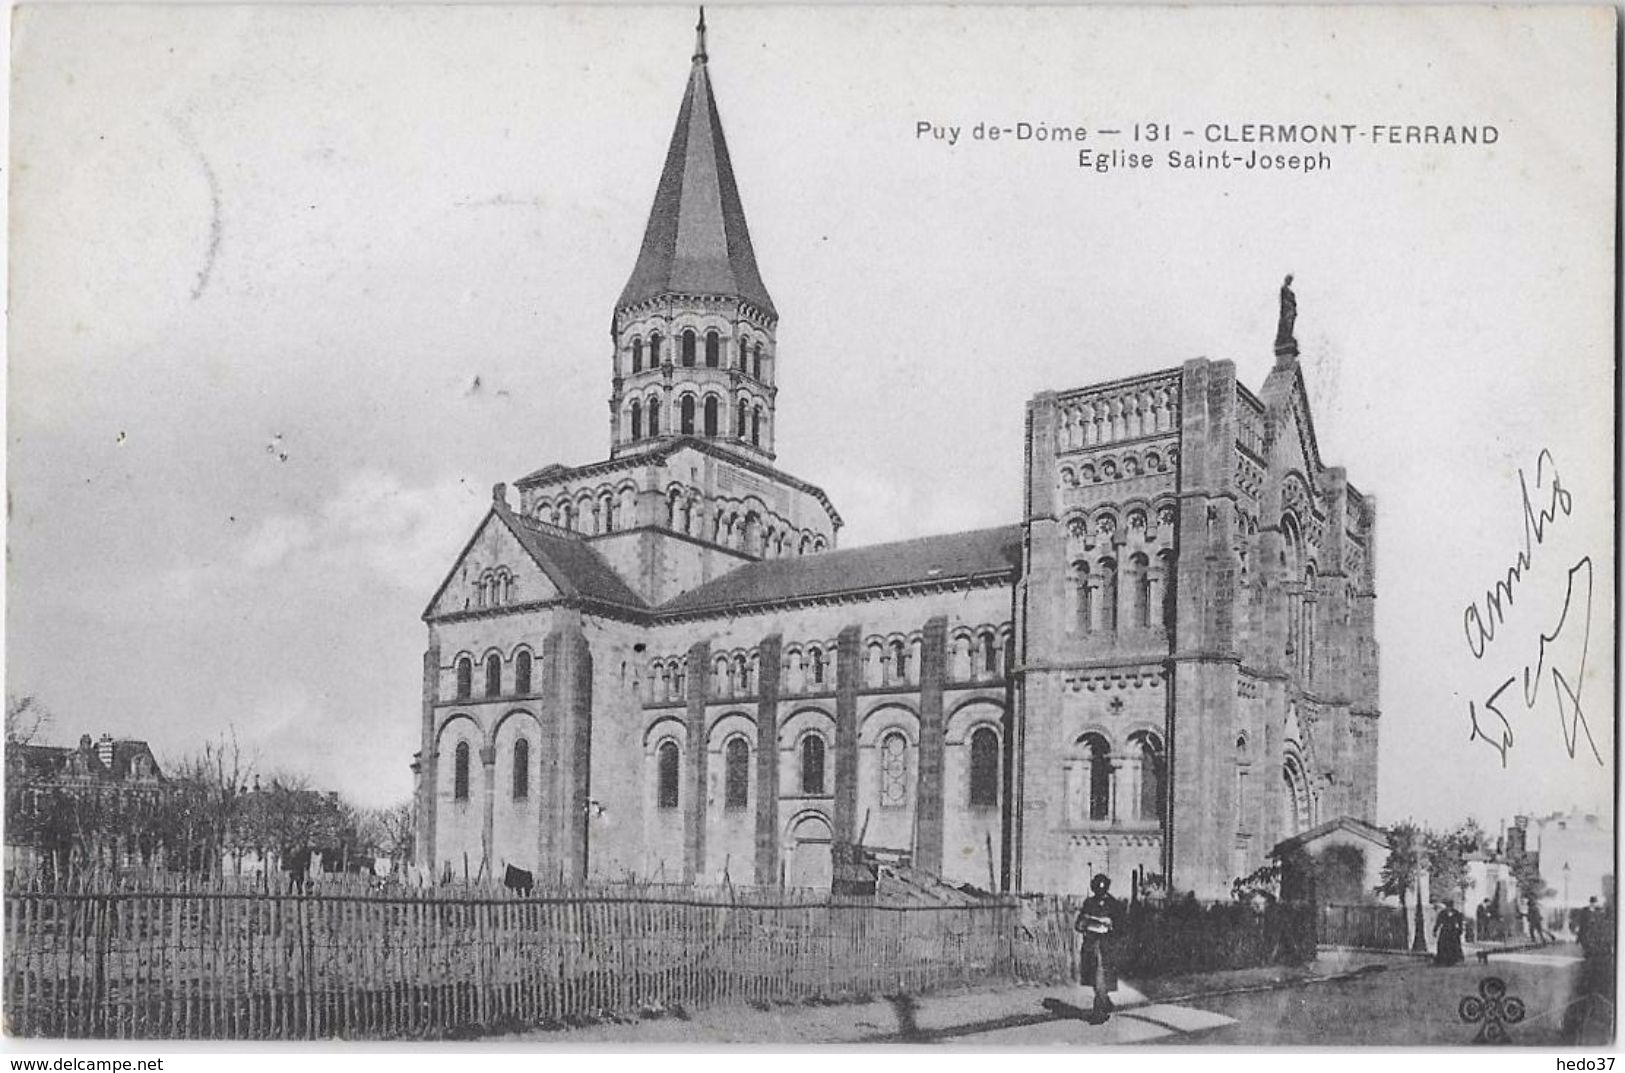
(104, 751)
(84, 743)
(499, 493)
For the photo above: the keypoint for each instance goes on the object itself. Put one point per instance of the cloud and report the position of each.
(375, 523)
(274, 539)
(880, 507)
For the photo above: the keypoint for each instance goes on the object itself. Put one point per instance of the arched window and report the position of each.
(521, 769)
(736, 773)
(984, 767)
(521, 672)
(742, 424)
(687, 427)
(465, 678)
(637, 355)
(654, 417)
(711, 415)
(990, 655)
(817, 667)
(812, 765)
(493, 675)
(1100, 776)
(713, 350)
(1242, 771)
(1108, 594)
(459, 773)
(898, 658)
(742, 674)
(1170, 591)
(654, 350)
(744, 345)
(688, 349)
(893, 770)
(756, 367)
(756, 427)
(1306, 649)
(1153, 776)
(1296, 798)
(1140, 594)
(667, 762)
(637, 420)
(1086, 596)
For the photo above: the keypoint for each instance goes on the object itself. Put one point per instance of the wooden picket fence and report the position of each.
(1373, 927)
(229, 960)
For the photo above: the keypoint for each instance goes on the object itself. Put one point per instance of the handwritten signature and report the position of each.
(1480, 625)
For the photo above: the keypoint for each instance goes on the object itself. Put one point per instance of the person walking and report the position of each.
(1537, 928)
(1447, 929)
(1098, 922)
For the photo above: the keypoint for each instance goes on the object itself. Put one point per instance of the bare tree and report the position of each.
(205, 803)
(26, 719)
(390, 832)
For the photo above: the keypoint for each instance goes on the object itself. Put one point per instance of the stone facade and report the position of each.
(661, 666)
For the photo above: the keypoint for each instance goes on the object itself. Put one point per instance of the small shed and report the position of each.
(1346, 857)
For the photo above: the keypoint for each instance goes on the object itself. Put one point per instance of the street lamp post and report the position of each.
(1566, 903)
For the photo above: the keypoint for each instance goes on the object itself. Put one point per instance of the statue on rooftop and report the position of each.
(1285, 343)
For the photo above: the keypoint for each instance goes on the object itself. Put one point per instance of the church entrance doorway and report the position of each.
(809, 856)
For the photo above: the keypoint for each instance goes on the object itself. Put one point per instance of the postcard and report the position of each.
(981, 526)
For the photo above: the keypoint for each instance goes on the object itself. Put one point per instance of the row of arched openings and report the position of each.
(983, 789)
(520, 776)
(645, 418)
(591, 513)
(735, 525)
(494, 588)
(1149, 764)
(973, 657)
(522, 665)
(748, 355)
(1136, 598)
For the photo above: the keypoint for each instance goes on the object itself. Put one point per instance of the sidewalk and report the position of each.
(988, 1016)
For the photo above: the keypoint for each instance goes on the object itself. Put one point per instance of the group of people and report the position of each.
(1100, 919)
(1450, 924)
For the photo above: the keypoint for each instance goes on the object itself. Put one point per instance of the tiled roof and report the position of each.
(954, 556)
(1341, 823)
(52, 761)
(578, 570)
(696, 241)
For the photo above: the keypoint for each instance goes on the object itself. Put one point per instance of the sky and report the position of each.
(291, 287)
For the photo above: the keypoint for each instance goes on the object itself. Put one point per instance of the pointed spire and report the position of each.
(696, 241)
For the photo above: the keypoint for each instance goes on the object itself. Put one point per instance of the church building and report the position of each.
(662, 665)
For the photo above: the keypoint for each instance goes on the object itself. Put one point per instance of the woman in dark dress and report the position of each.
(1447, 928)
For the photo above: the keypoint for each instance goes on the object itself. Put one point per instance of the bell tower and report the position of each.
(693, 331)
